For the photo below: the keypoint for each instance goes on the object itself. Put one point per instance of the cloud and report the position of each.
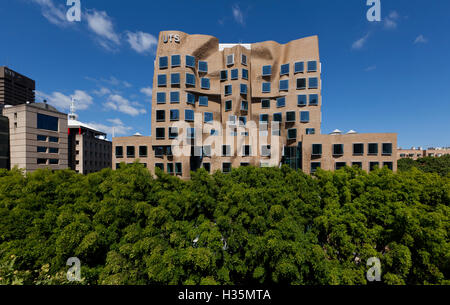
(147, 91)
(142, 42)
(101, 24)
(237, 14)
(62, 101)
(102, 91)
(117, 127)
(370, 68)
(390, 22)
(420, 39)
(358, 44)
(119, 103)
(55, 14)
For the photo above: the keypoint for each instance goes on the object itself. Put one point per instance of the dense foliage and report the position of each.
(440, 165)
(255, 225)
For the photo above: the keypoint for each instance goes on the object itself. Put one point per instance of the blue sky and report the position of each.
(388, 76)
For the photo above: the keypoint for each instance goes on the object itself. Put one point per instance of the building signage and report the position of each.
(171, 38)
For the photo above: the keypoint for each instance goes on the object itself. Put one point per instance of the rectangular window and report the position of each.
(170, 168)
(190, 61)
(246, 150)
(176, 61)
(228, 105)
(202, 66)
(243, 89)
(53, 139)
(317, 149)
(160, 115)
(292, 134)
(174, 97)
(190, 98)
(208, 117)
(159, 151)
(304, 116)
(223, 75)
(244, 59)
(42, 138)
(47, 122)
(290, 116)
(266, 70)
(301, 83)
(53, 161)
(284, 85)
(163, 62)
(230, 60)
(244, 106)
(357, 164)
(143, 151)
(265, 104)
(387, 149)
(226, 167)
(226, 150)
(242, 120)
(301, 100)
(174, 114)
(162, 80)
(299, 67)
(278, 117)
(205, 84)
(203, 100)
(373, 149)
(41, 161)
(207, 150)
(160, 133)
(374, 165)
(281, 102)
(173, 132)
(310, 131)
(228, 89)
(264, 118)
(358, 149)
(265, 87)
(130, 152)
(234, 74)
(161, 98)
(313, 83)
(190, 133)
(175, 78)
(265, 150)
(312, 66)
(338, 149)
(232, 119)
(41, 149)
(245, 74)
(179, 168)
(207, 167)
(314, 166)
(189, 115)
(119, 152)
(284, 69)
(389, 165)
(340, 165)
(160, 166)
(190, 79)
(313, 99)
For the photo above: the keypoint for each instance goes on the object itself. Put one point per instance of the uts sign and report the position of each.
(171, 38)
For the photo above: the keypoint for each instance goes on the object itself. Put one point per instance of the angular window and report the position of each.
(47, 122)
(143, 151)
(264, 118)
(340, 165)
(159, 151)
(338, 149)
(290, 116)
(245, 74)
(301, 100)
(162, 80)
(304, 116)
(190, 98)
(314, 166)
(170, 168)
(205, 84)
(190, 133)
(228, 105)
(281, 102)
(244, 106)
(176, 61)
(313, 83)
(373, 149)
(160, 166)
(299, 67)
(317, 149)
(244, 59)
(228, 89)
(208, 117)
(223, 75)
(119, 152)
(265, 150)
(312, 66)
(130, 151)
(284, 85)
(41, 149)
(41, 161)
(160, 133)
(161, 98)
(374, 165)
(265, 104)
(163, 62)
(313, 99)
(226, 150)
(190, 61)
(284, 69)
(190, 79)
(226, 167)
(390, 165)
(242, 120)
(358, 149)
(202, 66)
(174, 114)
(243, 89)
(301, 83)
(179, 168)
(160, 115)
(230, 60)
(189, 115)
(387, 149)
(234, 74)
(175, 97)
(310, 131)
(175, 78)
(265, 87)
(266, 70)
(173, 132)
(53, 161)
(42, 138)
(278, 117)
(292, 134)
(203, 100)
(232, 119)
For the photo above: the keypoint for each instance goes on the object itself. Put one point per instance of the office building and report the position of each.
(130, 149)
(15, 88)
(416, 153)
(4, 142)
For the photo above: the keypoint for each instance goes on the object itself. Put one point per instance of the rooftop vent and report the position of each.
(137, 134)
(336, 132)
(352, 132)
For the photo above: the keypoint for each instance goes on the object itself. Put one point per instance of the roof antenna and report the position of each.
(72, 114)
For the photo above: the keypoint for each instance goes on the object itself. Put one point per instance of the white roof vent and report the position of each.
(137, 134)
(336, 132)
(352, 132)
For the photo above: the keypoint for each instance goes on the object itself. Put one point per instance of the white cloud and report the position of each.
(420, 39)
(119, 103)
(390, 22)
(55, 14)
(102, 91)
(116, 127)
(370, 68)
(147, 91)
(61, 101)
(101, 24)
(237, 14)
(358, 44)
(142, 42)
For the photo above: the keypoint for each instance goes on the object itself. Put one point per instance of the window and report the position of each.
(228, 89)
(338, 149)
(189, 115)
(41, 149)
(175, 78)
(53, 161)
(340, 165)
(161, 98)
(130, 152)
(228, 105)
(304, 116)
(226, 150)
(163, 62)
(232, 119)
(190, 133)
(281, 102)
(266, 70)
(373, 149)
(389, 165)
(244, 59)
(202, 66)
(243, 89)
(42, 138)
(265, 104)
(207, 150)
(387, 149)
(143, 151)
(214, 132)
(313, 83)
(313, 99)
(174, 114)
(226, 167)
(265, 87)
(244, 106)
(178, 168)
(190, 98)
(301, 83)
(314, 167)
(174, 97)
(170, 168)
(230, 60)
(357, 164)
(290, 116)
(47, 122)
(207, 167)
(160, 166)
(312, 66)
(173, 132)
(284, 85)
(41, 161)
(205, 84)
(119, 152)
(162, 80)
(160, 115)
(208, 117)
(190, 61)
(234, 74)
(299, 67)
(265, 150)
(264, 118)
(246, 150)
(190, 79)
(301, 100)
(242, 120)
(292, 134)
(223, 75)
(284, 69)
(245, 74)
(310, 131)
(203, 100)
(373, 165)
(358, 149)
(160, 133)
(317, 149)
(176, 61)
(278, 117)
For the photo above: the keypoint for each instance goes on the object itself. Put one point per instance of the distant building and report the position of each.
(4, 142)
(15, 89)
(416, 153)
(38, 136)
(130, 149)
